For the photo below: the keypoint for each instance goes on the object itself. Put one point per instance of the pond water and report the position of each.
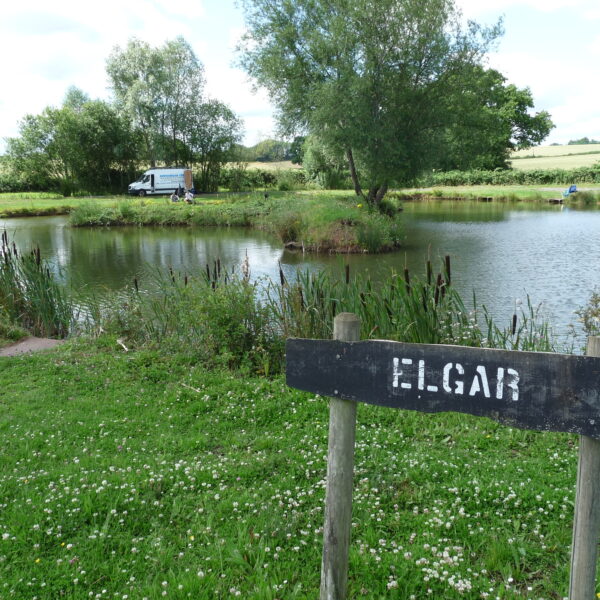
(503, 252)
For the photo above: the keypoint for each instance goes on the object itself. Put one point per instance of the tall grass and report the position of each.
(425, 310)
(223, 318)
(29, 294)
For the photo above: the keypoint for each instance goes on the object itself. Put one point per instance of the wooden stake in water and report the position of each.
(586, 524)
(340, 471)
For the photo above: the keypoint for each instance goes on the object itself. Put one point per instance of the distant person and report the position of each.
(189, 197)
(174, 197)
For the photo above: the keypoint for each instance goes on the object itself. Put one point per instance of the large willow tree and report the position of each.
(377, 81)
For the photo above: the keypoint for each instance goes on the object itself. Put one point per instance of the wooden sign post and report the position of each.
(528, 390)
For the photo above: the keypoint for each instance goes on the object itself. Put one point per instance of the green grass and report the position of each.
(33, 204)
(139, 473)
(569, 162)
(556, 157)
(507, 193)
(132, 469)
(556, 151)
(319, 222)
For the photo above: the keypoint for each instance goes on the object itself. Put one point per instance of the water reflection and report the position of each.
(503, 251)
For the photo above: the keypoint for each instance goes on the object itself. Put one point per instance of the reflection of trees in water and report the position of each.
(113, 257)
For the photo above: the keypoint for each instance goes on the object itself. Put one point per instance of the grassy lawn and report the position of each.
(140, 475)
(566, 162)
(24, 204)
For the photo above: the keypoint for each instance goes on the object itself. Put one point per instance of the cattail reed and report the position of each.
(438, 285)
(281, 276)
(407, 280)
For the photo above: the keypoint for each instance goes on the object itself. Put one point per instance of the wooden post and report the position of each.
(586, 524)
(340, 471)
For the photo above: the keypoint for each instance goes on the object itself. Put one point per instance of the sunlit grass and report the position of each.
(140, 474)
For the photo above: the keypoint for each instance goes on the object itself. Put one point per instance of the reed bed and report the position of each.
(224, 318)
(30, 296)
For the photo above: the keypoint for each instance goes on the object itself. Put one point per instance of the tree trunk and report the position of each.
(376, 194)
(353, 174)
(381, 192)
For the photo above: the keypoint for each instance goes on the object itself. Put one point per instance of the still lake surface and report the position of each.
(504, 252)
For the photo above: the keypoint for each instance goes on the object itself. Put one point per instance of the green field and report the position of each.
(556, 157)
(140, 475)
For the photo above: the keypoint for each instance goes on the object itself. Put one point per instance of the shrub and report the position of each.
(288, 225)
(215, 316)
(586, 198)
(512, 177)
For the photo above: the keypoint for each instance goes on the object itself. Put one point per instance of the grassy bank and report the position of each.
(142, 474)
(321, 222)
(36, 204)
(505, 194)
(39, 203)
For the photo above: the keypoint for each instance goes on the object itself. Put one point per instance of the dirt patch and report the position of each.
(28, 345)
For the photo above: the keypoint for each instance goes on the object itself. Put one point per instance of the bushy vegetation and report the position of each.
(513, 177)
(315, 223)
(583, 141)
(239, 178)
(224, 318)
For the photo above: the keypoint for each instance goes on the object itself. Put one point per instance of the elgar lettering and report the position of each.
(454, 378)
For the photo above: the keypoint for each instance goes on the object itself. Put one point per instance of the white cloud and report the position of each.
(47, 47)
(594, 46)
(475, 8)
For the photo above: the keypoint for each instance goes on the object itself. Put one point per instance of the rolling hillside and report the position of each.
(556, 157)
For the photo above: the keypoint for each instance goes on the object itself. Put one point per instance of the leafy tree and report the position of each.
(491, 118)
(162, 90)
(370, 78)
(326, 169)
(214, 130)
(82, 145)
(75, 99)
(296, 151)
(157, 88)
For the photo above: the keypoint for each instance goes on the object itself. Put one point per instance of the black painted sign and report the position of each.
(528, 390)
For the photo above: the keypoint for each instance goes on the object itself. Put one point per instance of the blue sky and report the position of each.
(550, 46)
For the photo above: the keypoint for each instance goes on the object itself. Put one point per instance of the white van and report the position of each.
(162, 180)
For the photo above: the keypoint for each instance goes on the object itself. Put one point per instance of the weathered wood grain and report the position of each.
(528, 390)
(340, 474)
(586, 522)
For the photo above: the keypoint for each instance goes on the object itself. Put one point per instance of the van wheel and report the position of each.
(142, 193)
